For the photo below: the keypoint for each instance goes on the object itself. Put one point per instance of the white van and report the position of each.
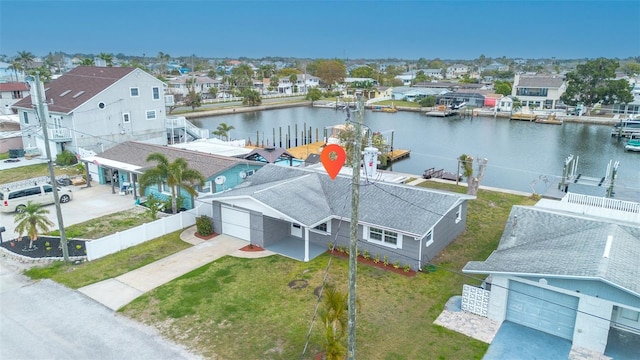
(17, 199)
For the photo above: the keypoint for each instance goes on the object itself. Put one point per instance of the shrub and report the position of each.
(407, 267)
(366, 254)
(66, 158)
(204, 226)
(376, 259)
(330, 246)
(386, 260)
(396, 264)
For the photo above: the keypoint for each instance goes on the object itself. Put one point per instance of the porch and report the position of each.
(293, 247)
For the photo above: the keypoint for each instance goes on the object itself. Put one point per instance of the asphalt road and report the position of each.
(45, 320)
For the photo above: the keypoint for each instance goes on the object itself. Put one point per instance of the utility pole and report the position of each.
(43, 114)
(353, 246)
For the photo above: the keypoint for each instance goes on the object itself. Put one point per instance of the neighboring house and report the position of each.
(406, 78)
(127, 161)
(181, 85)
(11, 93)
(300, 211)
(568, 268)
(306, 82)
(406, 93)
(496, 66)
(469, 98)
(89, 106)
(505, 104)
(537, 91)
(457, 70)
(632, 108)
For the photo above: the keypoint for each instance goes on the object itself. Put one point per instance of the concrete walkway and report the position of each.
(117, 292)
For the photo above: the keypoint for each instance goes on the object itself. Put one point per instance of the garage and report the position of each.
(541, 309)
(236, 223)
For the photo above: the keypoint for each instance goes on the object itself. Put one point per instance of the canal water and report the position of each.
(523, 156)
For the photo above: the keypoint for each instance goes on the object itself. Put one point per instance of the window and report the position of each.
(385, 237)
(134, 92)
(459, 214)
(323, 228)
(16, 94)
(48, 188)
(429, 238)
(151, 114)
(629, 314)
(125, 118)
(156, 93)
(25, 117)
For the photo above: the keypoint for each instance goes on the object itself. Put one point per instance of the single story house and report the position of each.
(569, 268)
(124, 163)
(297, 212)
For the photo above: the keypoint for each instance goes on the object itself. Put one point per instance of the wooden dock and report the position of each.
(396, 155)
(523, 116)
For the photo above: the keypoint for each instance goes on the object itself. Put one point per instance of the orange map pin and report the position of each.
(333, 157)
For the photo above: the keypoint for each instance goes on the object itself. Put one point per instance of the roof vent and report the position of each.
(607, 247)
(65, 93)
(78, 94)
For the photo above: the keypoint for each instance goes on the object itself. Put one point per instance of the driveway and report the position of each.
(88, 203)
(45, 320)
(519, 342)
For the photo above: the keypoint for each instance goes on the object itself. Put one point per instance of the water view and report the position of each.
(522, 155)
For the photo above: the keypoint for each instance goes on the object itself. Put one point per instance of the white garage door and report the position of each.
(236, 223)
(542, 309)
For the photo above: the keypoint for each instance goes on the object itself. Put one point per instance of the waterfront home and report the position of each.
(181, 86)
(297, 212)
(570, 269)
(539, 91)
(95, 108)
(122, 164)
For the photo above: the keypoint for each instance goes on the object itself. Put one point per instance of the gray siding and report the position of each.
(445, 231)
(257, 228)
(275, 230)
(216, 217)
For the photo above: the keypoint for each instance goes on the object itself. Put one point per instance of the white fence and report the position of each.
(145, 232)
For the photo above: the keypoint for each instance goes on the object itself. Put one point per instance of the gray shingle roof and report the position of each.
(311, 197)
(560, 244)
(541, 81)
(136, 153)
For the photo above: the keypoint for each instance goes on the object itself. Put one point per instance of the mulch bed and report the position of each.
(43, 250)
(205, 237)
(379, 264)
(251, 247)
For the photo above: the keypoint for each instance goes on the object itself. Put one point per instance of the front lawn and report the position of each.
(244, 309)
(35, 170)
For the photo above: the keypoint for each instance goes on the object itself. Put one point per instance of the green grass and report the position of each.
(31, 171)
(4, 156)
(76, 276)
(243, 309)
(106, 225)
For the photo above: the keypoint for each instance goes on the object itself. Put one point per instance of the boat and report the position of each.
(633, 144)
(387, 109)
(626, 128)
(550, 119)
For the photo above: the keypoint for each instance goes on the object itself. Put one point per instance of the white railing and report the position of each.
(60, 133)
(125, 239)
(602, 202)
(181, 122)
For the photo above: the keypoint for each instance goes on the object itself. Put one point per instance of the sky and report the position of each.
(345, 29)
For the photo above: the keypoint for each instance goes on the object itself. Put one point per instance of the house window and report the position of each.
(134, 92)
(429, 238)
(629, 314)
(25, 116)
(125, 118)
(323, 228)
(459, 214)
(156, 93)
(151, 114)
(16, 95)
(384, 237)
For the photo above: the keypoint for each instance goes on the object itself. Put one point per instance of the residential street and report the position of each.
(45, 320)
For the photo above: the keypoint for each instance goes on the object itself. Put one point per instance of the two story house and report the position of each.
(95, 108)
(538, 91)
(11, 93)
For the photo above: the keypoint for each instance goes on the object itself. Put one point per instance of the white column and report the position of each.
(306, 244)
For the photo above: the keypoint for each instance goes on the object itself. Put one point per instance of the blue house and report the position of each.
(122, 164)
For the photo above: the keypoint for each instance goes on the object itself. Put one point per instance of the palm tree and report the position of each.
(293, 78)
(223, 130)
(108, 58)
(334, 318)
(87, 62)
(26, 59)
(31, 221)
(16, 66)
(176, 175)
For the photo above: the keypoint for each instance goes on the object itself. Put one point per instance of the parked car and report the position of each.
(17, 199)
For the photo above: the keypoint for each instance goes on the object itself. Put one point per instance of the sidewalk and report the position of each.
(119, 291)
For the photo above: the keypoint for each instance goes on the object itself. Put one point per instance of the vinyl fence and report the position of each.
(145, 232)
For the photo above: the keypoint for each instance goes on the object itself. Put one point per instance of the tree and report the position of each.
(108, 58)
(363, 72)
(177, 175)
(87, 62)
(213, 91)
(251, 97)
(31, 221)
(293, 79)
(631, 69)
(334, 316)
(314, 95)
(223, 130)
(331, 71)
(502, 87)
(274, 81)
(194, 98)
(16, 66)
(428, 101)
(594, 82)
(26, 59)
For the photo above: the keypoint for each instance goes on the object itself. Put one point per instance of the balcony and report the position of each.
(59, 134)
